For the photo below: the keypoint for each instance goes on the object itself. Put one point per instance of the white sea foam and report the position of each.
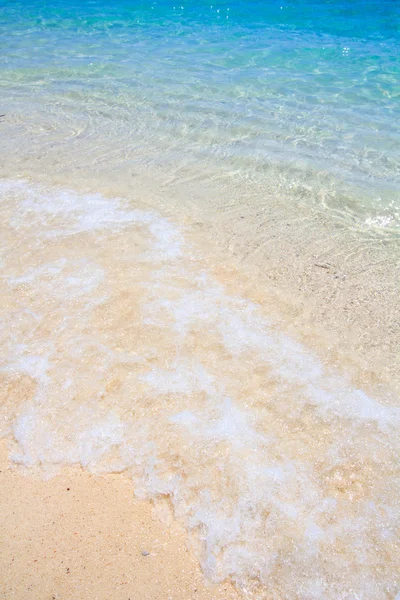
(62, 278)
(283, 473)
(67, 213)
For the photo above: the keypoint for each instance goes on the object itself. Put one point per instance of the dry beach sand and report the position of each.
(78, 537)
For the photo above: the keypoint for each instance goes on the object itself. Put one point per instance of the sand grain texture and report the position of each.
(80, 537)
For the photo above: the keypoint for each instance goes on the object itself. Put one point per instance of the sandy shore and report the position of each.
(83, 537)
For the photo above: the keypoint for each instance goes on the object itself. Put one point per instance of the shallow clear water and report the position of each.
(294, 93)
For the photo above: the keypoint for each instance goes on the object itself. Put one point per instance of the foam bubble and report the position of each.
(63, 213)
(62, 278)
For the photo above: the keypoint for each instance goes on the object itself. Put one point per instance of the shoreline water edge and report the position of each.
(128, 356)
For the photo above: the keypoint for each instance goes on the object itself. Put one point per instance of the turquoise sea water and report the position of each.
(299, 91)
